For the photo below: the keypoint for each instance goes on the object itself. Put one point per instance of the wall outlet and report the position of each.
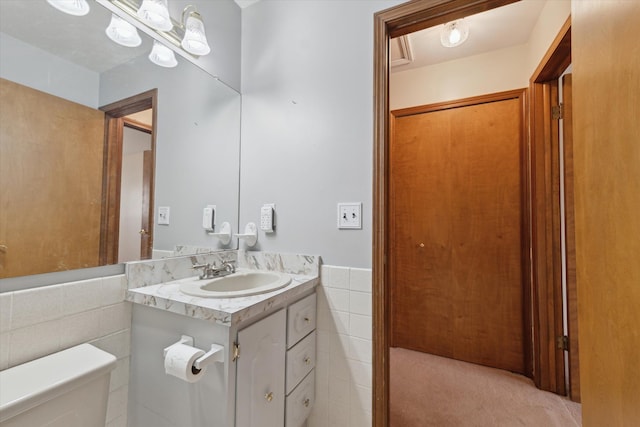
(350, 215)
(209, 218)
(267, 218)
(163, 215)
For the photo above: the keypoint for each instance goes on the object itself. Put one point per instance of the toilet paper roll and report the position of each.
(179, 362)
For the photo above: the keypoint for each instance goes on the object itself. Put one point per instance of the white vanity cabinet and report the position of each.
(260, 373)
(275, 379)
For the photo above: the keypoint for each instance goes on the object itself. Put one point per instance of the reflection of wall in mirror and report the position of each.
(135, 143)
(197, 145)
(33, 67)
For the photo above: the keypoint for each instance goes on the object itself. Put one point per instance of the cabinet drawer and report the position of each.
(300, 402)
(301, 359)
(301, 319)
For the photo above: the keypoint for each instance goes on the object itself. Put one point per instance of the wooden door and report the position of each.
(606, 111)
(50, 181)
(260, 373)
(456, 220)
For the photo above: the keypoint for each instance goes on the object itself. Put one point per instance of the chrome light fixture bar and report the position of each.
(174, 36)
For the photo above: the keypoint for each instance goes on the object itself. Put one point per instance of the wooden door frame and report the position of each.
(394, 22)
(112, 170)
(546, 249)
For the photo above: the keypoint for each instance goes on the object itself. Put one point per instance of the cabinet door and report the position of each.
(260, 373)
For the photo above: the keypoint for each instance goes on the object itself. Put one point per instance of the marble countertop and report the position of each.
(223, 311)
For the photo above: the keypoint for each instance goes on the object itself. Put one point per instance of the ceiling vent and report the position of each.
(401, 53)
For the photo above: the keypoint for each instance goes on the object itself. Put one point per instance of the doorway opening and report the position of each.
(546, 344)
(118, 116)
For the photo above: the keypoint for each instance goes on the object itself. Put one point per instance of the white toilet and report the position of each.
(65, 389)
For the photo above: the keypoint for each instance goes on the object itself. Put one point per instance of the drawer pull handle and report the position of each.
(307, 360)
(307, 402)
(269, 396)
(307, 319)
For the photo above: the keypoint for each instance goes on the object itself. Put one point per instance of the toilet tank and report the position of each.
(65, 389)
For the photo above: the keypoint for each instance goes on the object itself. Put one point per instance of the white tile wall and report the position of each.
(41, 321)
(343, 370)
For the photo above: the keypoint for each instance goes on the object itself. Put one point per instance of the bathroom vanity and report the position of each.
(267, 378)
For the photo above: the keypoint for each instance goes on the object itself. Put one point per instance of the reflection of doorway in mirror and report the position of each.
(136, 113)
(136, 149)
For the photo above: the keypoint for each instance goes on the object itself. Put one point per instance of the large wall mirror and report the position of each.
(51, 169)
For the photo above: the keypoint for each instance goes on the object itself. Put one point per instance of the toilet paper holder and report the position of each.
(216, 354)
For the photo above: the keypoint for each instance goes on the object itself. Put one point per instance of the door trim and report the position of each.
(546, 244)
(112, 170)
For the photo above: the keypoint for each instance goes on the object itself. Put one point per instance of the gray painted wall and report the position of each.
(307, 123)
(222, 20)
(35, 68)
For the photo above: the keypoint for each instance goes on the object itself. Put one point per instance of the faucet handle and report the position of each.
(195, 266)
(205, 269)
(229, 266)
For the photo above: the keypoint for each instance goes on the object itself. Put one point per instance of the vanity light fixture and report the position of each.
(454, 33)
(188, 34)
(122, 32)
(194, 40)
(71, 7)
(155, 14)
(163, 56)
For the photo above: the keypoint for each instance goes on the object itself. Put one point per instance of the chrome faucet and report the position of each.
(210, 271)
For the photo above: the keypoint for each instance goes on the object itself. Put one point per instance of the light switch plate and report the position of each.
(350, 216)
(163, 215)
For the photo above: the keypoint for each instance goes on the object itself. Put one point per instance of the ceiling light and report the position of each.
(155, 14)
(122, 32)
(454, 33)
(72, 7)
(162, 55)
(194, 40)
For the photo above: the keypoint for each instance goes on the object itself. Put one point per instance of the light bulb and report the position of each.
(122, 32)
(195, 40)
(454, 36)
(162, 55)
(71, 7)
(454, 33)
(155, 14)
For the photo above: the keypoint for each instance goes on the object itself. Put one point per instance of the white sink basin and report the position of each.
(239, 284)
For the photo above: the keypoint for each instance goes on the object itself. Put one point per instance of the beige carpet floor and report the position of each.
(427, 390)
